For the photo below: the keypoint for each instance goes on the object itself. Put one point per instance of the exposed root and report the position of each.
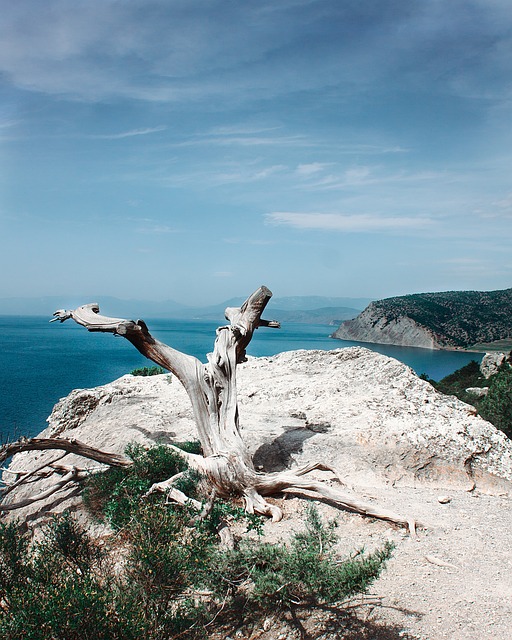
(173, 494)
(194, 460)
(232, 476)
(228, 474)
(25, 477)
(291, 483)
(255, 503)
(312, 466)
(70, 476)
(70, 446)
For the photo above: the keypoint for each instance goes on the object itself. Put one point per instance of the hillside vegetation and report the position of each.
(496, 405)
(457, 318)
(452, 319)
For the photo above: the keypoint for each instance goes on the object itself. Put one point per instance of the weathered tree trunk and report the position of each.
(212, 390)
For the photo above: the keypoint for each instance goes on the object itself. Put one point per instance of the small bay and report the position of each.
(42, 362)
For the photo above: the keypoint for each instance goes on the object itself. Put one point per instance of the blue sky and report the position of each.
(194, 150)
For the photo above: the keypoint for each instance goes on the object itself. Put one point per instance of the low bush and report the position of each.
(148, 371)
(306, 572)
(496, 405)
(457, 382)
(164, 574)
(59, 587)
(115, 493)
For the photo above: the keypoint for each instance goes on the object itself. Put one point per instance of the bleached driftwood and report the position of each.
(226, 461)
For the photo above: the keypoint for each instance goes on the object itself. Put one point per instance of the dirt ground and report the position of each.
(453, 581)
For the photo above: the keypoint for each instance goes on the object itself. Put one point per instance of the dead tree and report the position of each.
(226, 461)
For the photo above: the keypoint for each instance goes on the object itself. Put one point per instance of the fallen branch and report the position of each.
(70, 446)
(26, 476)
(69, 477)
(440, 563)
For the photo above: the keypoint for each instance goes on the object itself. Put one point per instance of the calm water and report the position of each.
(41, 362)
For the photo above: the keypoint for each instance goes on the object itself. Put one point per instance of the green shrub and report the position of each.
(457, 382)
(306, 572)
(59, 589)
(115, 493)
(148, 371)
(496, 406)
(166, 575)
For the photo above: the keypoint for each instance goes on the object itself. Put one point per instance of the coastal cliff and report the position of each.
(373, 326)
(447, 320)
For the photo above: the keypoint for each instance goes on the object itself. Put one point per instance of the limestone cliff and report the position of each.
(451, 319)
(372, 326)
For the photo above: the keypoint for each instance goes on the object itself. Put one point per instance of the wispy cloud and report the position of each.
(7, 124)
(365, 175)
(505, 205)
(246, 141)
(221, 175)
(469, 266)
(129, 134)
(184, 51)
(346, 222)
(157, 229)
(249, 241)
(240, 129)
(311, 168)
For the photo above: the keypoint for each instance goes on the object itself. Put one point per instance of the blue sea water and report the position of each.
(42, 362)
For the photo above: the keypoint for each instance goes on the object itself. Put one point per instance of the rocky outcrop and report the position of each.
(478, 392)
(394, 439)
(372, 326)
(491, 363)
(365, 413)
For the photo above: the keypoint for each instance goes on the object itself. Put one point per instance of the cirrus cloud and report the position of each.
(347, 222)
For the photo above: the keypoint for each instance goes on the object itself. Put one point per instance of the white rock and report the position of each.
(368, 415)
(491, 362)
(479, 392)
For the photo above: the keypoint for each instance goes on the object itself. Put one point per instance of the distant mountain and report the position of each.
(452, 319)
(314, 309)
(324, 315)
(305, 303)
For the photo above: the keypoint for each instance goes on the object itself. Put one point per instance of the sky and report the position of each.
(195, 149)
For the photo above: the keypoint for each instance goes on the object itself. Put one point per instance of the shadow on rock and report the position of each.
(277, 455)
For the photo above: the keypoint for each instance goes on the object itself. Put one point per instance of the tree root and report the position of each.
(226, 473)
(231, 476)
(291, 483)
(69, 477)
(69, 445)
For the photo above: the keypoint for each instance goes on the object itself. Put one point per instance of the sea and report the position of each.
(42, 362)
